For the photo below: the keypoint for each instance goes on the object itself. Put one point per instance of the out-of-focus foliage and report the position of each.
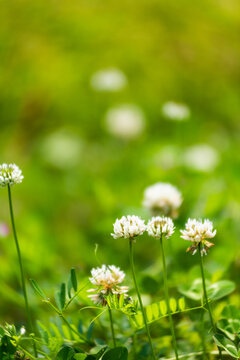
(80, 173)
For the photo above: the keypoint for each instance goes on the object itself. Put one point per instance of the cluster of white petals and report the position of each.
(126, 121)
(107, 276)
(160, 226)
(198, 232)
(111, 79)
(201, 157)
(175, 111)
(107, 280)
(128, 227)
(10, 174)
(162, 197)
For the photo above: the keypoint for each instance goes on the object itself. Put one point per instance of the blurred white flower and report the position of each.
(107, 280)
(162, 198)
(125, 121)
(201, 158)
(198, 232)
(111, 79)
(22, 330)
(10, 174)
(160, 226)
(128, 227)
(176, 111)
(4, 230)
(62, 149)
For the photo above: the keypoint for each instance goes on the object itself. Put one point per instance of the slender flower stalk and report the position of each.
(139, 297)
(112, 328)
(129, 227)
(29, 318)
(160, 227)
(167, 298)
(10, 174)
(205, 289)
(199, 232)
(206, 297)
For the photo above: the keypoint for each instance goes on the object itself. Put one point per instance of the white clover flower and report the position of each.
(198, 232)
(176, 111)
(62, 149)
(111, 79)
(10, 174)
(125, 121)
(107, 280)
(128, 227)
(202, 157)
(160, 226)
(162, 198)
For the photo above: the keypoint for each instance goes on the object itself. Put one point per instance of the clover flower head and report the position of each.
(160, 226)
(128, 227)
(176, 111)
(201, 157)
(107, 280)
(162, 198)
(111, 79)
(126, 121)
(198, 232)
(10, 174)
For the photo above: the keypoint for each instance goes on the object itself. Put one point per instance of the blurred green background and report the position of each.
(79, 174)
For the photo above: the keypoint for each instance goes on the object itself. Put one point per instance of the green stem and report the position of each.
(60, 314)
(112, 328)
(30, 324)
(139, 297)
(206, 297)
(205, 289)
(202, 331)
(167, 298)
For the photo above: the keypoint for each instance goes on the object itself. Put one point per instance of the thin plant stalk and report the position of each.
(112, 328)
(167, 298)
(29, 318)
(139, 297)
(206, 297)
(202, 331)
